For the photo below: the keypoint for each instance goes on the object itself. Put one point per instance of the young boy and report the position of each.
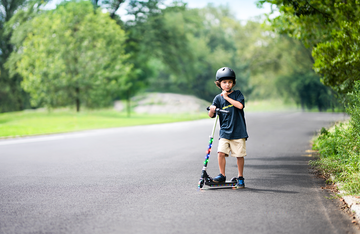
(233, 132)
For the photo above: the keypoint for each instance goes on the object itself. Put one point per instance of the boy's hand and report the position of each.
(212, 111)
(224, 94)
(212, 108)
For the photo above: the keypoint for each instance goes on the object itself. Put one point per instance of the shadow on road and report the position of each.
(255, 190)
(247, 189)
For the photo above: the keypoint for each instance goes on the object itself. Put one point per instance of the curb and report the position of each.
(354, 205)
(352, 202)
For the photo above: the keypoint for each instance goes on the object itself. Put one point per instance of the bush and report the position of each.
(339, 148)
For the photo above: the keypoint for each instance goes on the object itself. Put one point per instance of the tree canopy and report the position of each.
(78, 54)
(203, 41)
(71, 56)
(331, 28)
(12, 96)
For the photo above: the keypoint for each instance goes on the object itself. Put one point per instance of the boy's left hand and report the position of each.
(224, 94)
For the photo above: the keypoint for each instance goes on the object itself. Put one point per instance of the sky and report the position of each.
(243, 9)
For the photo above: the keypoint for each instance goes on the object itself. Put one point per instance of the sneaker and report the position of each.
(240, 183)
(219, 179)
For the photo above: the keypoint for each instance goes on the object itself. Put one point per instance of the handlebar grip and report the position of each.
(217, 110)
(222, 111)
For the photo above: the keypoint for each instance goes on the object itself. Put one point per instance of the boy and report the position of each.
(233, 132)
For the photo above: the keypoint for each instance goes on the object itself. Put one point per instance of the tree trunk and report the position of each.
(302, 105)
(77, 100)
(128, 103)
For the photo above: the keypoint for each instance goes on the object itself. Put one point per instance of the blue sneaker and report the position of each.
(240, 183)
(219, 179)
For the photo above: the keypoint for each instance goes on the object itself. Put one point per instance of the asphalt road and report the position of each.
(144, 180)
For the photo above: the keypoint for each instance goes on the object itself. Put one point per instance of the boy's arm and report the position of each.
(233, 102)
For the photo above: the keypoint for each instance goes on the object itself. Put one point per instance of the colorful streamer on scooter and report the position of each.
(208, 152)
(203, 174)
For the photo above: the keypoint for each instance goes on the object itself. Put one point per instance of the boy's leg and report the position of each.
(222, 162)
(240, 180)
(223, 151)
(240, 163)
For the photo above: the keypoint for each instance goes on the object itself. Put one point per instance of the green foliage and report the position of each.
(339, 157)
(306, 90)
(149, 38)
(338, 60)
(72, 55)
(354, 111)
(278, 62)
(211, 38)
(202, 42)
(331, 27)
(340, 148)
(170, 49)
(12, 96)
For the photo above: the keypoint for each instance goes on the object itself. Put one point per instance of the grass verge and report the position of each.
(273, 105)
(25, 123)
(339, 158)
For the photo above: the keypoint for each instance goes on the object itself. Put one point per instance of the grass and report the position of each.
(38, 122)
(25, 123)
(274, 105)
(339, 148)
(339, 157)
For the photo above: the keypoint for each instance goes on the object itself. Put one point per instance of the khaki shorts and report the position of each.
(237, 147)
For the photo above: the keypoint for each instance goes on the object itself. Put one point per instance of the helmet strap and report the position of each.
(227, 91)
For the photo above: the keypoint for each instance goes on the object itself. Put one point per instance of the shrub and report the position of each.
(339, 148)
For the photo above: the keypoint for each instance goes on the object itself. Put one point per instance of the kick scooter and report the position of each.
(205, 179)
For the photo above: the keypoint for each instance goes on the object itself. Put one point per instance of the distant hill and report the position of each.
(168, 103)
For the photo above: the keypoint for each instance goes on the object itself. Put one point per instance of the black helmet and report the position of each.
(225, 72)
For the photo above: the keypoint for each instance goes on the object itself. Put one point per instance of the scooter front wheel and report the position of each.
(201, 183)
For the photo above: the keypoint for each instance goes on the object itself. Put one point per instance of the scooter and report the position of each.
(205, 179)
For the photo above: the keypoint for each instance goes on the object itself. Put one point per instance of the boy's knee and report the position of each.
(240, 160)
(222, 155)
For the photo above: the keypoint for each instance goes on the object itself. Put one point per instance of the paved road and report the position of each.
(144, 180)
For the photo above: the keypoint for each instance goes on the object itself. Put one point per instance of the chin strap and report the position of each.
(226, 91)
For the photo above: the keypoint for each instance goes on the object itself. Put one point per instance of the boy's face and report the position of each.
(227, 85)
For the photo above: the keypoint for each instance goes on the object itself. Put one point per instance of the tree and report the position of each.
(148, 38)
(331, 28)
(111, 5)
(72, 56)
(12, 96)
(142, 44)
(283, 64)
(306, 90)
(201, 42)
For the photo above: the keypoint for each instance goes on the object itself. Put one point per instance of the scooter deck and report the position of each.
(224, 184)
(230, 183)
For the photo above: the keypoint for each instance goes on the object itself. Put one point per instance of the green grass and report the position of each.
(274, 105)
(339, 157)
(339, 148)
(278, 105)
(37, 122)
(25, 123)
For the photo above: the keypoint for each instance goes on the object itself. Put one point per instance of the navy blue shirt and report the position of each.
(232, 125)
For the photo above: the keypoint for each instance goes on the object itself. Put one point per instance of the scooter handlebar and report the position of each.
(218, 110)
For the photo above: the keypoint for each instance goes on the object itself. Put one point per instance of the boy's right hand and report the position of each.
(212, 110)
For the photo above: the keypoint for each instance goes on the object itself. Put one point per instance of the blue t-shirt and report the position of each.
(232, 125)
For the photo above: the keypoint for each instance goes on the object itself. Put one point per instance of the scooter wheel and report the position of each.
(201, 184)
